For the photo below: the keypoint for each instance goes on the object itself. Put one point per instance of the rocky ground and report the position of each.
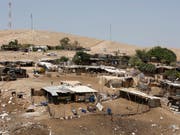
(14, 119)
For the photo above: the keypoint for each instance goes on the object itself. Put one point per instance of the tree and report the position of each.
(64, 42)
(76, 46)
(147, 68)
(81, 58)
(64, 59)
(134, 61)
(142, 54)
(61, 59)
(163, 55)
(12, 46)
(144, 67)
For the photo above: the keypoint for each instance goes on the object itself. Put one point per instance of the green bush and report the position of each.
(163, 55)
(173, 74)
(143, 55)
(59, 47)
(147, 68)
(134, 61)
(12, 46)
(81, 58)
(64, 59)
(61, 59)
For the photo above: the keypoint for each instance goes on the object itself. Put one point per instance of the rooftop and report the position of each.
(115, 77)
(171, 83)
(138, 93)
(54, 90)
(71, 83)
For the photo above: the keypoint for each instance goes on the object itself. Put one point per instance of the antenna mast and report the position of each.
(10, 15)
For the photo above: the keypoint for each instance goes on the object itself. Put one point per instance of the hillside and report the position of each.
(52, 38)
(42, 37)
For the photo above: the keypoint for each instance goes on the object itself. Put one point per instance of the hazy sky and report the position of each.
(138, 22)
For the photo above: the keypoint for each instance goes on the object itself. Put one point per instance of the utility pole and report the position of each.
(32, 27)
(10, 15)
(31, 22)
(110, 33)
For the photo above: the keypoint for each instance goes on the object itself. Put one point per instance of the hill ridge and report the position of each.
(43, 37)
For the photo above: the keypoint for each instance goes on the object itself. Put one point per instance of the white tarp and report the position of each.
(48, 65)
(99, 106)
(81, 89)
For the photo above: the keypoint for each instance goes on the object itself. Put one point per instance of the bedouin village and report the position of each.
(43, 89)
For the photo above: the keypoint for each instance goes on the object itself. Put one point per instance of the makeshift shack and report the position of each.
(12, 73)
(109, 60)
(117, 82)
(64, 93)
(71, 83)
(140, 97)
(162, 68)
(22, 63)
(48, 66)
(39, 48)
(93, 69)
(172, 88)
(174, 103)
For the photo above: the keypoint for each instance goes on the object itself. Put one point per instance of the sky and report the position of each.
(137, 22)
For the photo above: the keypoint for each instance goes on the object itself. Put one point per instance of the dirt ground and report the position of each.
(15, 121)
(154, 122)
(35, 56)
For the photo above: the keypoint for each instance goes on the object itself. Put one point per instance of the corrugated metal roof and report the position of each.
(82, 89)
(136, 92)
(54, 90)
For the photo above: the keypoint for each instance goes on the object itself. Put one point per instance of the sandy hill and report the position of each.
(52, 38)
(42, 37)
